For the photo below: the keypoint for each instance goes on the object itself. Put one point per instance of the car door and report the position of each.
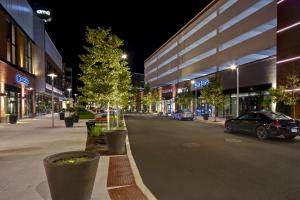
(250, 123)
(238, 123)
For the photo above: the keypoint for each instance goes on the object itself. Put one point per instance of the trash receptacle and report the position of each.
(90, 125)
(205, 116)
(61, 115)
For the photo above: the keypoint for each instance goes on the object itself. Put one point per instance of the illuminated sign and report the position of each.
(22, 79)
(45, 15)
(49, 87)
(43, 12)
(201, 83)
(167, 91)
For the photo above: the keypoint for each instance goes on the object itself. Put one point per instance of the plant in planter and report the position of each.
(71, 175)
(76, 117)
(69, 121)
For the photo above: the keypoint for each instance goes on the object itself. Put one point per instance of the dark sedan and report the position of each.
(264, 125)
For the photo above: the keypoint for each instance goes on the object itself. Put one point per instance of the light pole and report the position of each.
(75, 99)
(69, 89)
(52, 75)
(235, 67)
(193, 82)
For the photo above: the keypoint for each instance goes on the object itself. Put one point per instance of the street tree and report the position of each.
(105, 74)
(184, 98)
(286, 93)
(212, 93)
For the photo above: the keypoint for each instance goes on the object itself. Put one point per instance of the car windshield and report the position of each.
(277, 115)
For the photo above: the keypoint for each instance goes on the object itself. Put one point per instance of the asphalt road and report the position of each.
(187, 160)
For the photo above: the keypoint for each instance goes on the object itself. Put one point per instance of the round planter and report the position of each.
(69, 121)
(71, 181)
(61, 115)
(116, 141)
(13, 119)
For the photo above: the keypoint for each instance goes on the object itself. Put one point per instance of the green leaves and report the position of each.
(212, 93)
(105, 75)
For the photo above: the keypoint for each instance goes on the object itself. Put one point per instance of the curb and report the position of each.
(101, 191)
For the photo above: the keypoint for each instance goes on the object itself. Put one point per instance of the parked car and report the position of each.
(264, 125)
(183, 114)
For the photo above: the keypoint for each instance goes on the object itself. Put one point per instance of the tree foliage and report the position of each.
(212, 93)
(286, 93)
(184, 98)
(105, 74)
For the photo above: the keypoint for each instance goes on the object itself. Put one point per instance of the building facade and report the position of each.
(225, 33)
(26, 53)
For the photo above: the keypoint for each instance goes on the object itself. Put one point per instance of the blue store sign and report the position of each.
(22, 79)
(201, 83)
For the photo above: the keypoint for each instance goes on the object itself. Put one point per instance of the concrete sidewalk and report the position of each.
(24, 145)
(220, 121)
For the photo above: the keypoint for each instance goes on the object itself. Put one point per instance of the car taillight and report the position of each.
(277, 123)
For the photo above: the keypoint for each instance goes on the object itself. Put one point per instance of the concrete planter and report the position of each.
(71, 181)
(116, 141)
(13, 119)
(69, 121)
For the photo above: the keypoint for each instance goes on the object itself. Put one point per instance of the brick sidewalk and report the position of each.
(121, 184)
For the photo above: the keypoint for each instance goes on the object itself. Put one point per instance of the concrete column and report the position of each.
(160, 100)
(174, 88)
(2, 111)
(22, 101)
(33, 104)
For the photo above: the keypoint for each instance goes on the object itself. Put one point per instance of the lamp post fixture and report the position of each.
(193, 82)
(69, 89)
(75, 99)
(52, 75)
(235, 67)
(124, 56)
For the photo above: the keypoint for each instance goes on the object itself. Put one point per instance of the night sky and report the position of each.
(143, 25)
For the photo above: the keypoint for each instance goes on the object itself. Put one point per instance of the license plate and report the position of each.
(294, 130)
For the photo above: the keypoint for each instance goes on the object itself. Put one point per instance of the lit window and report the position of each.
(227, 5)
(250, 34)
(259, 5)
(198, 42)
(198, 27)
(167, 61)
(150, 62)
(198, 58)
(167, 50)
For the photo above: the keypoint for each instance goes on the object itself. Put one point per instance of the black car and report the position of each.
(264, 125)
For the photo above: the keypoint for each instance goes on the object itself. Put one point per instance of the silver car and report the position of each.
(183, 114)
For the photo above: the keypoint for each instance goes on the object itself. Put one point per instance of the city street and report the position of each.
(196, 160)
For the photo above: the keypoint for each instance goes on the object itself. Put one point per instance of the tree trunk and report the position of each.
(117, 116)
(150, 108)
(108, 120)
(294, 111)
(215, 113)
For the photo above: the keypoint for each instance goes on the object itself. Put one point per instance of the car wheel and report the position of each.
(289, 137)
(262, 133)
(228, 128)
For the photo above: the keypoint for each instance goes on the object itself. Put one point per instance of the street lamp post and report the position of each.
(196, 100)
(52, 98)
(235, 67)
(75, 99)
(69, 89)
